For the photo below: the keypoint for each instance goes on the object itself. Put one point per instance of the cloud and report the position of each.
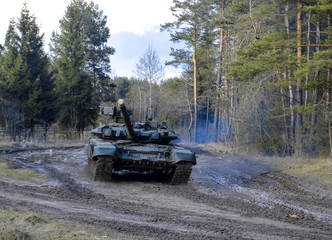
(133, 16)
(136, 16)
(134, 24)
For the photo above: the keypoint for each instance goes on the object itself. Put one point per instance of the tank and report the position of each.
(141, 147)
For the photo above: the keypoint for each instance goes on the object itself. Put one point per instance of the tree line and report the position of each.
(255, 74)
(259, 72)
(66, 85)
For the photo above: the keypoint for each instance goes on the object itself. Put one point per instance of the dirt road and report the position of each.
(228, 197)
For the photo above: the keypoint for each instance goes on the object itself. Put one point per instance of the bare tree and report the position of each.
(150, 69)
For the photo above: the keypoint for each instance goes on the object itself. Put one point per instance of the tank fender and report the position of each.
(104, 149)
(182, 155)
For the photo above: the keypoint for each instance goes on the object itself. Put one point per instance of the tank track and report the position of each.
(181, 173)
(101, 168)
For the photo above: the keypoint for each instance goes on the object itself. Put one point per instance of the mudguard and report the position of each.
(99, 148)
(104, 151)
(182, 155)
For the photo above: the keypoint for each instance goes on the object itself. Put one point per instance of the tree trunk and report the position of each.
(298, 128)
(328, 95)
(314, 92)
(220, 124)
(140, 104)
(215, 120)
(150, 99)
(291, 92)
(284, 111)
(207, 117)
(219, 82)
(330, 136)
(306, 93)
(223, 92)
(45, 133)
(227, 36)
(328, 80)
(220, 59)
(190, 111)
(195, 84)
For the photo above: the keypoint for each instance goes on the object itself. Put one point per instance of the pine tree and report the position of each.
(39, 96)
(14, 82)
(74, 84)
(98, 35)
(188, 28)
(80, 53)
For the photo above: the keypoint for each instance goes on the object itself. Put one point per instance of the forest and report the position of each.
(256, 75)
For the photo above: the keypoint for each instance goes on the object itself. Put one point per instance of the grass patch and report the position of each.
(6, 145)
(320, 170)
(31, 225)
(25, 175)
(30, 145)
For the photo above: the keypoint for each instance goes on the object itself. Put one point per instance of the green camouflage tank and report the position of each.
(142, 147)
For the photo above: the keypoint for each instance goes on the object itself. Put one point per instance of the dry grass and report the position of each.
(6, 144)
(32, 225)
(215, 148)
(319, 170)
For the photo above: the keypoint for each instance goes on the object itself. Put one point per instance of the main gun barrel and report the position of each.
(126, 118)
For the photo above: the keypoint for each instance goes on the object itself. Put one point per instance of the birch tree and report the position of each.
(151, 70)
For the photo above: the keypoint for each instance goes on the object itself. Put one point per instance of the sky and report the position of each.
(134, 25)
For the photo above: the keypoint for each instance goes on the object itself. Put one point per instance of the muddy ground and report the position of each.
(227, 197)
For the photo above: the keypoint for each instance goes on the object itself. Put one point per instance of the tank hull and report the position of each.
(174, 161)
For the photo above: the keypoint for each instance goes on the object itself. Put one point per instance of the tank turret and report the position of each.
(122, 128)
